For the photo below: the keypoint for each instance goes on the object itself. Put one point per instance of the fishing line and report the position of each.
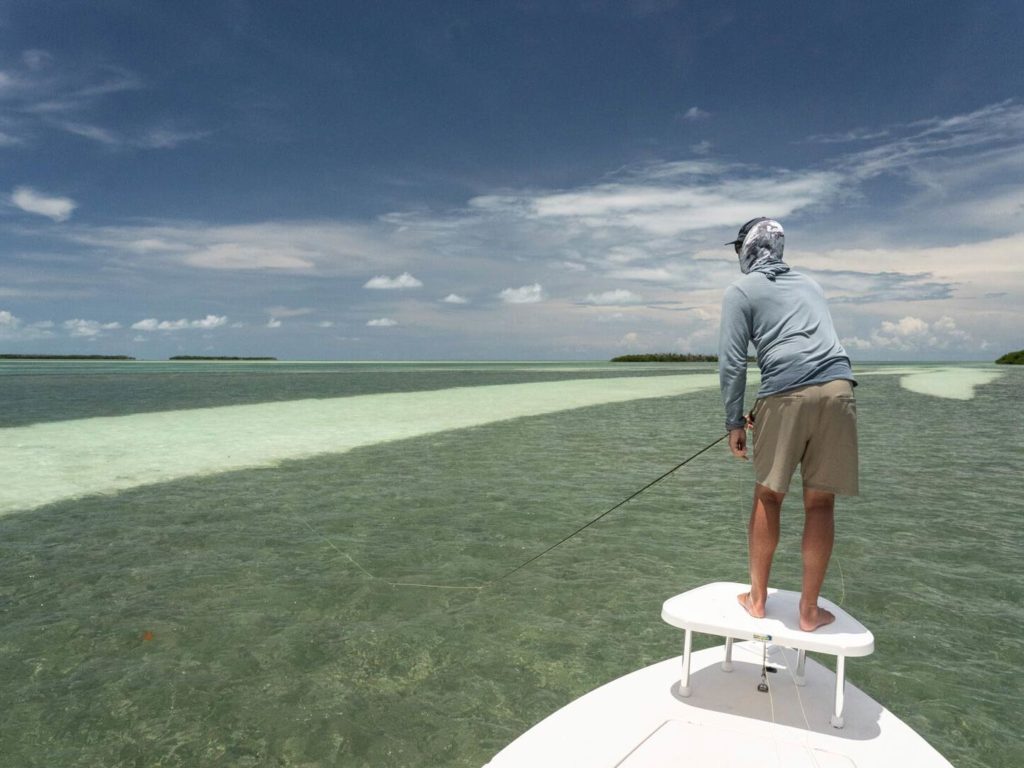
(374, 576)
(796, 686)
(609, 511)
(771, 702)
(800, 700)
(492, 582)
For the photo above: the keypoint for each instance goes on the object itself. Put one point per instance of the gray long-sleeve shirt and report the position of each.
(789, 322)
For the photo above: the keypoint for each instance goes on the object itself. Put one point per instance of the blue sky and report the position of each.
(502, 180)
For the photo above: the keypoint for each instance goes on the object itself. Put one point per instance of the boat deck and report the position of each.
(641, 721)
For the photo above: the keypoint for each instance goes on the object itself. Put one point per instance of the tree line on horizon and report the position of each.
(665, 357)
(124, 357)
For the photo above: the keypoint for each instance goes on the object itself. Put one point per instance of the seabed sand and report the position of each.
(954, 383)
(52, 461)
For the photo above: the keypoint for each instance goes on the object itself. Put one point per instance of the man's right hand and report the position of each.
(738, 442)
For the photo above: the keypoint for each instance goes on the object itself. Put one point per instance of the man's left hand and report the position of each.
(738, 442)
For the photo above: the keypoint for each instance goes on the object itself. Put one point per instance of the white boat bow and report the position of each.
(646, 719)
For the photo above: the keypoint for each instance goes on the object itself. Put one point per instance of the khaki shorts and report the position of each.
(813, 426)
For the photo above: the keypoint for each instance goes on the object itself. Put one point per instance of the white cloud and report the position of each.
(661, 209)
(154, 138)
(152, 245)
(966, 136)
(911, 334)
(695, 113)
(649, 275)
(88, 328)
(206, 323)
(703, 340)
(273, 323)
(13, 328)
(382, 322)
(349, 249)
(613, 298)
(30, 201)
(855, 134)
(908, 326)
(991, 265)
(40, 95)
(572, 266)
(992, 210)
(382, 282)
(210, 321)
(35, 58)
(289, 311)
(167, 138)
(625, 254)
(152, 324)
(7, 82)
(249, 256)
(108, 81)
(93, 132)
(454, 298)
(325, 324)
(527, 294)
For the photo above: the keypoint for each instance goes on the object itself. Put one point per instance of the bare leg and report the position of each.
(819, 533)
(762, 539)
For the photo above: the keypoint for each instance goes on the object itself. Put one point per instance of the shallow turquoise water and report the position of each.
(251, 618)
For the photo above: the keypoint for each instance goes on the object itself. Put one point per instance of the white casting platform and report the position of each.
(714, 610)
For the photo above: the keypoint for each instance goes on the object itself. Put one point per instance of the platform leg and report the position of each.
(684, 682)
(837, 711)
(727, 664)
(801, 667)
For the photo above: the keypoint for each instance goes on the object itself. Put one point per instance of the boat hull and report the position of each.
(641, 721)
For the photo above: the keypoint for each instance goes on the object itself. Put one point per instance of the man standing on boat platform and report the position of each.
(805, 413)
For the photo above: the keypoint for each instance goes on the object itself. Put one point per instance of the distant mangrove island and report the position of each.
(216, 357)
(665, 357)
(125, 357)
(1012, 358)
(66, 357)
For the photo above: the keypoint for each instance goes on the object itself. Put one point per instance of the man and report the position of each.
(805, 411)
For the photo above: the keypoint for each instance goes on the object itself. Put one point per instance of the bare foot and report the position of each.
(814, 617)
(755, 609)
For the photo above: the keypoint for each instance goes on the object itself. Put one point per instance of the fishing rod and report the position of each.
(582, 528)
